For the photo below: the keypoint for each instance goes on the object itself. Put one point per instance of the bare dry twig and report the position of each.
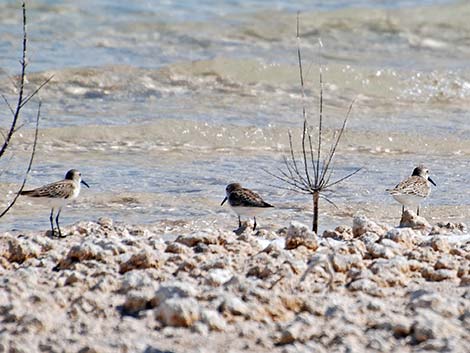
(21, 101)
(28, 170)
(311, 172)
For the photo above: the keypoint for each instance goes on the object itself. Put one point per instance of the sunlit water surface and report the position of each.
(161, 104)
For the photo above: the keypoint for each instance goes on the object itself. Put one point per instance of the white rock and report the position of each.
(173, 290)
(200, 328)
(410, 219)
(429, 325)
(361, 225)
(391, 244)
(399, 263)
(297, 229)
(406, 236)
(195, 238)
(234, 305)
(437, 303)
(219, 276)
(377, 250)
(135, 280)
(369, 238)
(343, 263)
(299, 234)
(367, 286)
(213, 319)
(274, 244)
(135, 301)
(291, 333)
(180, 312)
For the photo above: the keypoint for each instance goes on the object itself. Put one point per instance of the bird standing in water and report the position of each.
(57, 195)
(244, 202)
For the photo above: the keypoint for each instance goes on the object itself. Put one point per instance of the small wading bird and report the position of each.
(414, 189)
(58, 194)
(244, 202)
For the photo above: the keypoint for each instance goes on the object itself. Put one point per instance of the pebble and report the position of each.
(361, 288)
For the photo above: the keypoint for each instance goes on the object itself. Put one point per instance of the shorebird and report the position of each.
(244, 202)
(57, 195)
(414, 189)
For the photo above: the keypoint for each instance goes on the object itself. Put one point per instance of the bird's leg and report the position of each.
(57, 222)
(254, 226)
(51, 220)
(239, 222)
(402, 209)
(417, 211)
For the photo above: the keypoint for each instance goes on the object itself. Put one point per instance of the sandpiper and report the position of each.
(57, 195)
(244, 202)
(414, 189)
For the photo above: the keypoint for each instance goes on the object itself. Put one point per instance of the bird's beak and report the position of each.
(84, 183)
(431, 181)
(223, 201)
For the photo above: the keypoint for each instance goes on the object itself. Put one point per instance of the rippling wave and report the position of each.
(189, 96)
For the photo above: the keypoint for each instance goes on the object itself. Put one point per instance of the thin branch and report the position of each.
(328, 200)
(19, 127)
(293, 189)
(330, 174)
(294, 182)
(343, 178)
(13, 82)
(286, 179)
(294, 161)
(330, 152)
(16, 112)
(312, 158)
(304, 153)
(341, 131)
(36, 90)
(291, 175)
(309, 68)
(320, 126)
(304, 111)
(28, 170)
(299, 57)
(8, 105)
(21, 88)
(288, 166)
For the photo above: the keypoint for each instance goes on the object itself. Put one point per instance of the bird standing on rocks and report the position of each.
(414, 189)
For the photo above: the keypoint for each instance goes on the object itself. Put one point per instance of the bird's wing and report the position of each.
(60, 189)
(414, 185)
(246, 198)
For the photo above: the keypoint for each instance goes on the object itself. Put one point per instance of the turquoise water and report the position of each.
(160, 104)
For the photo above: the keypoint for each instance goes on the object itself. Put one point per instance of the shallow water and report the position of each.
(161, 104)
